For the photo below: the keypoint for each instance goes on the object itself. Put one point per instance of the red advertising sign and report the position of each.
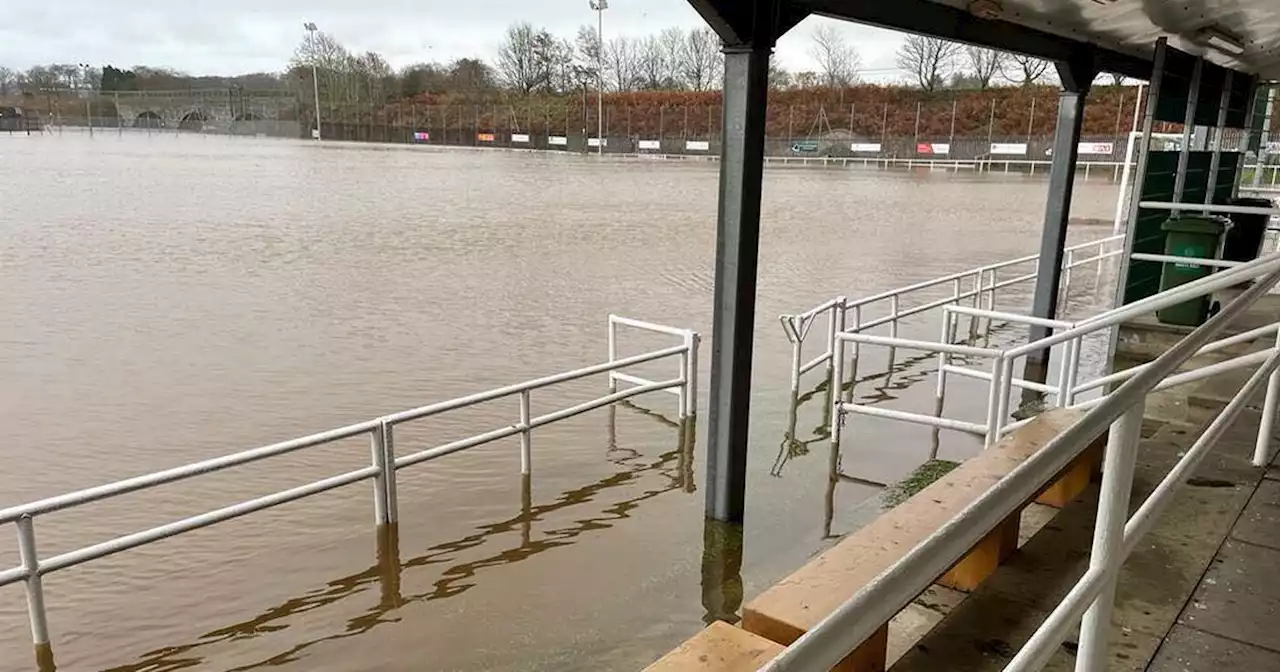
(924, 148)
(484, 137)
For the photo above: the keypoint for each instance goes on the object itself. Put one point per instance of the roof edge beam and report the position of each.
(742, 23)
(936, 20)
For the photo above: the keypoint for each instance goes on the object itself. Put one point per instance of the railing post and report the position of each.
(526, 450)
(613, 352)
(682, 392)
(831, 326)
(797, 352)
(991, 296)
(1108, 534)
(857, 329)
(1066, 278)
(976, 303)
(950, 335)
(1262, 447)
(1006, 391)
(35, 590)
(940, 394)
(389, 471)
(1064, 384)
(377, 440)
(893, 316)
(993, 402)
(1073, 369)
(691, 341)
(837, 381)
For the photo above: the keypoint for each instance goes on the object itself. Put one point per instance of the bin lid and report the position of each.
(1195, 224)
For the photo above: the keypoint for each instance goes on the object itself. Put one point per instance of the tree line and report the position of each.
(533, 61)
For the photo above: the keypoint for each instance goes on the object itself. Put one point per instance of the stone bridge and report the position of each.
(226, 110)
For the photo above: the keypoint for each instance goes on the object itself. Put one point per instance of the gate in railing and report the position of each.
(383, 468)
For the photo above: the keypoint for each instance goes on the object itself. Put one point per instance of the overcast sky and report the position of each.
(237, 36)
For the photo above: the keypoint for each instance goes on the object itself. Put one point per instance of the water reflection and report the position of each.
(895, 376)
(457, 576)
(721, 571)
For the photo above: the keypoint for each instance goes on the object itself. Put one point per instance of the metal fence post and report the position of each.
(837, 381)
(797, 345)
(377, 446)
(613, 352)
(857, 328)
(526, 449)
(950, 335)
(893, 316)
(389, 472)
(944, 359)
(1262, 448)
(1108, 534)
(993, 402)
(34, 587)
(691, 340)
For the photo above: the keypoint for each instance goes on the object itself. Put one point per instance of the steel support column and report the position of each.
(746, 79)
(1076, 77)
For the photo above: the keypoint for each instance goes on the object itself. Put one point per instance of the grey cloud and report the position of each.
(233, 36)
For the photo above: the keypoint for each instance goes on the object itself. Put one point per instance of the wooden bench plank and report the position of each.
(719, 647)
(795, 604)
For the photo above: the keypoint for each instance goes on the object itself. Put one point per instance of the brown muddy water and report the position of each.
(168, 299)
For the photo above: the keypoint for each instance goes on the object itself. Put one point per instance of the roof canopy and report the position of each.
(1121, 34)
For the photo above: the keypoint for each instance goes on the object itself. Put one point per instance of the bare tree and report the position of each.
(658, 55)
(1025, 70)
(518, 64)
(838, 61)
(780, 79)
(701, 63)
(8, 80)
(984, 64)
(928, 59)
(588, 55)
(621, 63)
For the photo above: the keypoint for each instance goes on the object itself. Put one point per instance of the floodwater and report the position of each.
(170, 298)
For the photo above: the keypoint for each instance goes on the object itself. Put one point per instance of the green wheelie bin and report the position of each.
(1195, 236)
(1244, 240)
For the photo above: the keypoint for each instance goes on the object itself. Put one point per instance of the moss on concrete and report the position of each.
(918, 480)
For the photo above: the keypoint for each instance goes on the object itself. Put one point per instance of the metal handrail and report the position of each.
(857, 619)
(796, 326)
(382, 469)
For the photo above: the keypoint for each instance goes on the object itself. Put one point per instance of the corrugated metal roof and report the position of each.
(1133, 26)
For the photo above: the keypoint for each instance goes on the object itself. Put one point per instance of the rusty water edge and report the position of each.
(44, 658)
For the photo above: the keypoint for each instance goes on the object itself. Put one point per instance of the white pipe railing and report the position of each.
(382, 470)
(1116, 534)
(982, 285)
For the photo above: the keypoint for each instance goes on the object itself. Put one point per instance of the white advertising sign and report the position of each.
(557, 140)
(519, 137)
(595, 142)
(697, 145)
(1009, 148)
(650, 144)
(941, 148)
(865, 147)
(1095, 147)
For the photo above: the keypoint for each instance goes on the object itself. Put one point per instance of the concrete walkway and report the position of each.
(1200, 593)
(1232, 621)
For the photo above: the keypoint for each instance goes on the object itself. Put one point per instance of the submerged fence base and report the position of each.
(383, 469)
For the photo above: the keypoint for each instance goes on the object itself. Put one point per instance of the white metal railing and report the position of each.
(1116, 534)
(382, 469)
(978, 286)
